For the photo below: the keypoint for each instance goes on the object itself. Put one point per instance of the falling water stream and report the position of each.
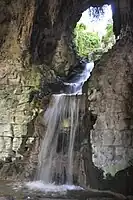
(55, 160)
(64, 107)
(51, 164)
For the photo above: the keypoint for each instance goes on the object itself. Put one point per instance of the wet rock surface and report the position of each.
(19, 191)
(121, 182)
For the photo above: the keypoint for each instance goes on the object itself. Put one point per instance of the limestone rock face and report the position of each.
(34, 46)
(112, 101)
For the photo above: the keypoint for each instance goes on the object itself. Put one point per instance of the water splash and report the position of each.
(51, 188)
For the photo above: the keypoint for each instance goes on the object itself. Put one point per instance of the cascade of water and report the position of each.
(75, 81)
(47, 147)
(63, 107)
(74, 116)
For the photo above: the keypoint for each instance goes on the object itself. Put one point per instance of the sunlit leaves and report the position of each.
(86, 42)
(108, 39)
(89, 44)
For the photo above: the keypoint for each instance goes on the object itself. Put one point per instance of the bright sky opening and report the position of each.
(100, 24)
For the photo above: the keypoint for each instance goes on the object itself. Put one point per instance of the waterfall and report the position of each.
(64, 107)
(77, 78)
(55, 160)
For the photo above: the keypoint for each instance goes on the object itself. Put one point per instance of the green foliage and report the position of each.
(86, 42)
(108, 39)
(89, 44)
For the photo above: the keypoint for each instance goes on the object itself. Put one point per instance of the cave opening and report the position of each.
(93, 34)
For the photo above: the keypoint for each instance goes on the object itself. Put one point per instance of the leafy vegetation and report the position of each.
(89, 44)
(108, 40)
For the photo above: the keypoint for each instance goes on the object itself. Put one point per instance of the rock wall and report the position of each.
(111, 99)
(30, 51)
(16, 112)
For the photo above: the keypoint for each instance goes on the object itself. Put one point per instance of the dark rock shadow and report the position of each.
(122, 182)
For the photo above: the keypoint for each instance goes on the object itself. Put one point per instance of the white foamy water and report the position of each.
(76, 82)
(50, 188)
